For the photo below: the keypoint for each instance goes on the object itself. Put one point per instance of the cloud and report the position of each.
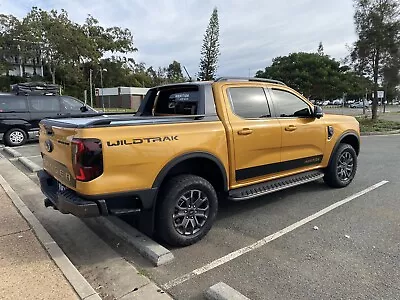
(252, 32)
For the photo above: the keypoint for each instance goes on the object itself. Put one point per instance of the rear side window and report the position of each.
(71, 104)
(177, 101)
(44, 103)
(249, 102)
(10, 104)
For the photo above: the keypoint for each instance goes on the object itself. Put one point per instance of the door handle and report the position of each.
(290, 128)
(245, 131)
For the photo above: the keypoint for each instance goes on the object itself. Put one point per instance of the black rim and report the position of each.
(191, 212)
(345, 166)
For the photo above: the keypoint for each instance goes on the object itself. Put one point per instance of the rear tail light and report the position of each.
(87, 159)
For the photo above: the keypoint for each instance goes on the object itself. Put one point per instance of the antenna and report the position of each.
(187, 73)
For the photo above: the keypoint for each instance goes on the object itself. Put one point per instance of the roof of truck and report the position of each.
(221, 79)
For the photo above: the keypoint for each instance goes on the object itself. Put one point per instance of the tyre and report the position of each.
(15, 137)
(342, 168)
(186, 211)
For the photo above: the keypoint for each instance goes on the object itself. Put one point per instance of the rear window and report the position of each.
(177, 101)
(9, 104)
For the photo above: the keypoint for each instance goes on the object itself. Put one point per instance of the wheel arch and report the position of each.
(195, 163)
(17, 126)
(350, 138)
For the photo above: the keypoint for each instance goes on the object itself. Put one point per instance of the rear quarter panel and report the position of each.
(129, 167)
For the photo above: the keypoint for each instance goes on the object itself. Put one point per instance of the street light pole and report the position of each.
(91, 87)
(102, 87)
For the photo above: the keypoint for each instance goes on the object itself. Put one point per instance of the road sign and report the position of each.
(381, 94)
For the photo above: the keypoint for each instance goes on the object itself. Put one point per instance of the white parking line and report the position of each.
(266, 240)
(33, 156)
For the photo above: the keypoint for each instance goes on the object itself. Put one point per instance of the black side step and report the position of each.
(268, 187)
(124, 211)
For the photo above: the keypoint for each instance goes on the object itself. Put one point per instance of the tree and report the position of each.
(316, 76)
(320, 49)
(355, 86)
(377, 48)
(101, 40)
(210, 49)
(174, 72)
(64, 42)
(52, 32)
(13, 48)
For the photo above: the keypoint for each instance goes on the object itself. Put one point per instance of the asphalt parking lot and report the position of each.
(348, 252)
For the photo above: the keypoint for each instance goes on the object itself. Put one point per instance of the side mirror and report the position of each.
(83, 109)
(318, 112)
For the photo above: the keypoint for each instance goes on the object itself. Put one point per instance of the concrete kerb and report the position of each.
(77, 281)
(380, 133)
(157, 254)
(12, 152)
(30, 165)
(222, 291)
(26, 162)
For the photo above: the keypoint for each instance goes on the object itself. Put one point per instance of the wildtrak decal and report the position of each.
(142, 141)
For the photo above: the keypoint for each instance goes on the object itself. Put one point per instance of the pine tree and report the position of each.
(320, 49)
(210, 49)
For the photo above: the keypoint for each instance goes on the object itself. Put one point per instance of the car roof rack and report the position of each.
(249, 79)
(35, 88)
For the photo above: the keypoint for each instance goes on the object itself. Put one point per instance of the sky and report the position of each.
(252, 32)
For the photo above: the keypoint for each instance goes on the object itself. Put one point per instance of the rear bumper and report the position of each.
(69, 202)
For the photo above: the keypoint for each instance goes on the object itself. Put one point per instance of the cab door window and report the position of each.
(289, 105)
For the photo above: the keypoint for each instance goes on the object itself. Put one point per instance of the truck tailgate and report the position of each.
(55, 146)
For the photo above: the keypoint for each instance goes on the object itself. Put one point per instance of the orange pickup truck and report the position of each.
(190, 145)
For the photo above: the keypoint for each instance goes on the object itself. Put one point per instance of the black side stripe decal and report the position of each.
(263, 170)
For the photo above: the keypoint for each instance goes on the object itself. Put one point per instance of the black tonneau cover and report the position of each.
(116, 120)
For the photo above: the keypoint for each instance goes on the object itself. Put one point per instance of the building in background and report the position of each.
(23, 59)
(25, 67)
(120, 97)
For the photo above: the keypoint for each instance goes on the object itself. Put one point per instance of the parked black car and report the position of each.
(20, 114)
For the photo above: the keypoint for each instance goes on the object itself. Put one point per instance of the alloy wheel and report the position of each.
(345, 166)
(191, 212)
(17, 137)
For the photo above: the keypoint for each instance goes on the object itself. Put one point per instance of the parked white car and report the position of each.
(325, 103)
(337, 102)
